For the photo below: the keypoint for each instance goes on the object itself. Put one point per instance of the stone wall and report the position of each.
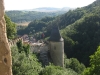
(13, 42)
(5, 52)
(38, 47)
(57, 53)
(34, 47)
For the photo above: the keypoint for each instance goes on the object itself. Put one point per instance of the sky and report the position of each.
(31, 4)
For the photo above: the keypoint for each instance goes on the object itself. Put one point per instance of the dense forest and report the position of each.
(80, 29)
(26, 16)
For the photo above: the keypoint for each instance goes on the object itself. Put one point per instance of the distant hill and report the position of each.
(18, 16)
(50, 9)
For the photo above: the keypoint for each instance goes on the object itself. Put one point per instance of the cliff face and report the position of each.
(5, 53)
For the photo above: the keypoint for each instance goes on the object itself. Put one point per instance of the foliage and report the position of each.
(94, 68)
(21, 47)
(10, 28)
(27, 16)
(84, 34)
(36, 27)
(26, 49)
(56, 70)
(75, 65)
(45, 24)
(29, 65)
(23, 65)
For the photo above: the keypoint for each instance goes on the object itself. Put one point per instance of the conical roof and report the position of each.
(55, 34)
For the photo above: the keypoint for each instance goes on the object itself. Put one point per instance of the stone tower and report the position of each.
(5, 53)
(56, 47)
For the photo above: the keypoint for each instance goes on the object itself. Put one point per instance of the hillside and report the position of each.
(83, 36)
(27, 16)
(50, 9)
(80, 29)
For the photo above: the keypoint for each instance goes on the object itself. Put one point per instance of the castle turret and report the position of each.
(56, 47)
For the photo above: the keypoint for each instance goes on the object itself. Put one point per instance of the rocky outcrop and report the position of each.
(5, 53)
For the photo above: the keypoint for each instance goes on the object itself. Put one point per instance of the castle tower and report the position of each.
(56, 47)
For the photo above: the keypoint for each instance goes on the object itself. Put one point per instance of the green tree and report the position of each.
(26, 49)
(10, 28)
(56, 70)
(94, 68)
(23, 65)
(19, 46)
(74, 64)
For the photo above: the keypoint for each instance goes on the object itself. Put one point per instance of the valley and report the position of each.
(80, 29)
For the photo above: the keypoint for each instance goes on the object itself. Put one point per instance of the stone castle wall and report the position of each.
(13, 42)
(34, 47)
(5, 52)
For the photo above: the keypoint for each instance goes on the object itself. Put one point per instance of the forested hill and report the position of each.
(80, 29)
(82, 37)
(50, 9)
(26, 16)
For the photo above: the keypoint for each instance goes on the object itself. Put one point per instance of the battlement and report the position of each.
(34, 47)
(13, 42)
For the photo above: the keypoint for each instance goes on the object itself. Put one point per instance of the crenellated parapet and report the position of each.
(13, 42)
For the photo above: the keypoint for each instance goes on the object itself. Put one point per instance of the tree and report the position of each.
(75, 65)
(10, 28)
(94, 68)
(19, 46)
(56, 70)
(26, 49)
(23, 65)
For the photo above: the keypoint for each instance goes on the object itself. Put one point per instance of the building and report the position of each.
(56, 46)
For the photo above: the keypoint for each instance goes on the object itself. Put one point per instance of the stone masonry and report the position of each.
(5, 52)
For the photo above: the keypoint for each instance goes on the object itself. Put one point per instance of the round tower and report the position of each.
(56, 44)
